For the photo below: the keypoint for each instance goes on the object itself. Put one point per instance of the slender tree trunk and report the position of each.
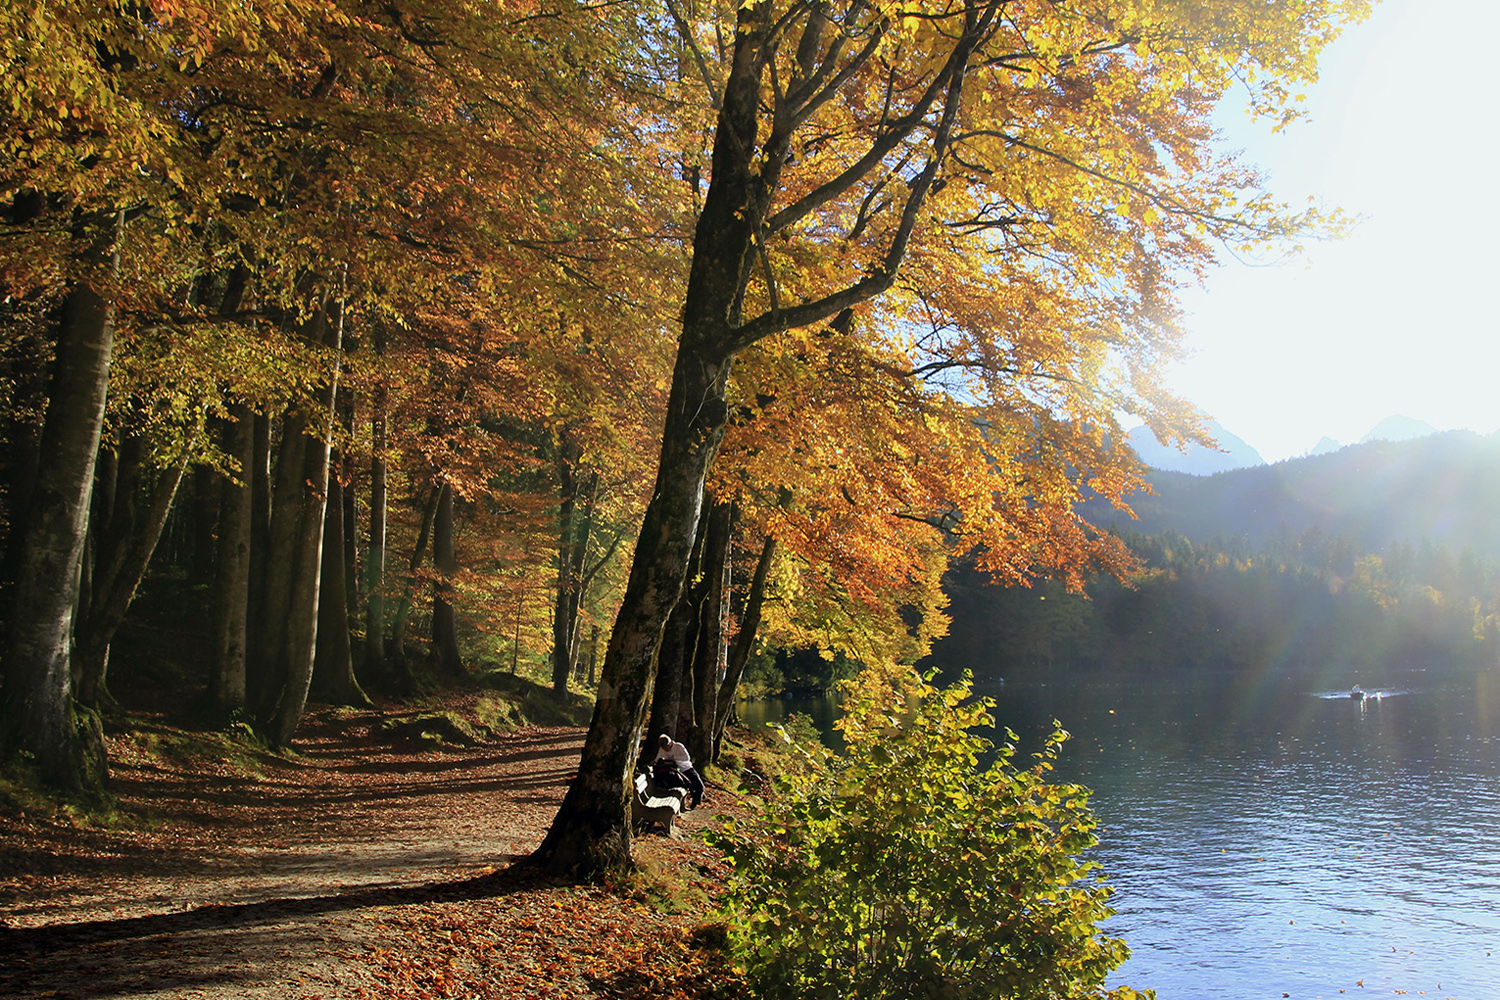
(711, 649)
(672, 660)
(38, 709)
(258, 477)
(445, 561)
(375, 658)
(575, 526)
(119, 475)
(29, 365)
(353, 582)
(227, 692)
(593, 653)
(399, 661)
(744, 642)
(205, 510)
(118, 576)
(333, 665)
(566, 580)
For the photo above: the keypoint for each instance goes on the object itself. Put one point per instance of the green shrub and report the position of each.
(907, 868)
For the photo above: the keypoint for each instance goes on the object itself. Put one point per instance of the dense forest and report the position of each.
(1373, 562)
(600, 340)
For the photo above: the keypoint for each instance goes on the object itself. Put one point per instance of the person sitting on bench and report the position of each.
(673, 768)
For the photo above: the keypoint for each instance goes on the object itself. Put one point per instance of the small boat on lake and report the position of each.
(1357, 693)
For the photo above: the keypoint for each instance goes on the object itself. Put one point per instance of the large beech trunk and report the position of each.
(38, 708)
(227, 693)
(282, 536)
(295, 644)
(592, 830)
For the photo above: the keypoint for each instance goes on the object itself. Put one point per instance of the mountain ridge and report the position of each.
(1442, 487)
(1234, 452)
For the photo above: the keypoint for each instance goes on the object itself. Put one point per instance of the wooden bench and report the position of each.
(654, 806)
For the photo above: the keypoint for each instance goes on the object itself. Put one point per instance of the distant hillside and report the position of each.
(1197, 460)
(1444, 487)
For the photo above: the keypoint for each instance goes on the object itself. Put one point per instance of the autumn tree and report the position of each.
(88, 148)
(348, 169)
(999, 197)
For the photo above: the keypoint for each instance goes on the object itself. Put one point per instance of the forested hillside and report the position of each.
(1441, 489)
(1376, 560)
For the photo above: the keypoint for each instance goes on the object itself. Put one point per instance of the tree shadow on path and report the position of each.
(221, 945)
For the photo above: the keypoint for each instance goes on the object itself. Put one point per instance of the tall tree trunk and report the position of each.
(445, 561)
(227, 693)
(575, 526)
(711, 649)
(593, 653)
(38, 709)
(375, 660)
(118, 574)
(119, 473)
(591, 832)
(282, 535)
(675, 655)
(349, 557)
(261, 484)
(566, 578)
(672, 698)
(592, 829)
(205, 512)
(399, 661)
(744, 642)
(298, 643)
(333, 665)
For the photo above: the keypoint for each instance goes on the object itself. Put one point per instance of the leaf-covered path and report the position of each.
(361, 868)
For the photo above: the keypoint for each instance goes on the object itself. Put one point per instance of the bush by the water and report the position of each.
(908, 868)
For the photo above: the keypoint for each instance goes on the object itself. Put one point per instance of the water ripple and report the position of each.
(1295, 842)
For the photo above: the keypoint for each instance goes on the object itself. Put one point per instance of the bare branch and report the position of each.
(684, 32)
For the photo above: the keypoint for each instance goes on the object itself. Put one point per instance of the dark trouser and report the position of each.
(695, 784)
(675, 774)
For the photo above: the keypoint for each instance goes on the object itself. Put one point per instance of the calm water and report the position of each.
(1267, 839)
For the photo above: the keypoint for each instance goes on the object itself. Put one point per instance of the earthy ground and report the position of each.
(360, 867)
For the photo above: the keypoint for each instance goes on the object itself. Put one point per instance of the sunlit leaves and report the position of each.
(923, 859)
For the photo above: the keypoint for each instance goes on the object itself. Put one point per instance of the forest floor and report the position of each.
(368, 864)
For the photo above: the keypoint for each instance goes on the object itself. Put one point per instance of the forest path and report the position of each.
(358, 868)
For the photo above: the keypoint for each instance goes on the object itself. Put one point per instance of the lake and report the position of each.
(1267, 839)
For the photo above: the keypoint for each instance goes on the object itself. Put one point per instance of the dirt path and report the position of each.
(361, 869)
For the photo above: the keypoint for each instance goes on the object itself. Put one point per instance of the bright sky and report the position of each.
(1399, 318)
